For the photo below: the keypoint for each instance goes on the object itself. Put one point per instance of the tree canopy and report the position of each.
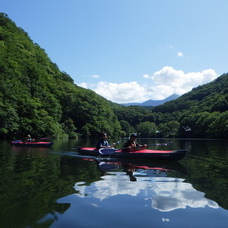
(37, 98)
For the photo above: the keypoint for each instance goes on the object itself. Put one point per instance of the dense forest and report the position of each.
(37, 98)
(201, 113)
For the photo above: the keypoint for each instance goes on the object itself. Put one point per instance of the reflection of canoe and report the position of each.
(173, 155)
(164, 166)
(31, 144)
(157, 165)
(110, 164)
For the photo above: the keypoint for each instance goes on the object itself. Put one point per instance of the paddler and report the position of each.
(103, 142)
(131, 144)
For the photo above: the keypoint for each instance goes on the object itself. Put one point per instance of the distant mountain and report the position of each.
(153, 102)
(211, 97)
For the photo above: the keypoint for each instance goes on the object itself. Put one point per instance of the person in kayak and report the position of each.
(103, 142)
(28, 138)
(131, 144)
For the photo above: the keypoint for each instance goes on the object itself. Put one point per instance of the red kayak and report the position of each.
(31, 144)
(173, 155)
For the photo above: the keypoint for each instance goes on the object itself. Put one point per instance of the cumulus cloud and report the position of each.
(178, 79)
(168, 81)
(120, 93)
(158, 86)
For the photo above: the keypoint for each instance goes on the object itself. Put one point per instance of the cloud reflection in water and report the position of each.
(166, 193)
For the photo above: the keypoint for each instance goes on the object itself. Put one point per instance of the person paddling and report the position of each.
(28, 138)
(131, 144)
(103, 142)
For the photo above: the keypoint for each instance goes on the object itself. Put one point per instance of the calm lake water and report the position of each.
(55, 187)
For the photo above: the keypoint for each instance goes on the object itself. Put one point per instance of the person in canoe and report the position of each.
(103, 142)
(131, 144)
(28, 138)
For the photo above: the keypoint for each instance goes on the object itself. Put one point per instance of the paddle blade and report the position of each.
(106, 151)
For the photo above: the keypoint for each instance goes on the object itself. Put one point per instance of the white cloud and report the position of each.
(159, 85)
(171, 46)
(121, 93)
(168, 80)
(94, 76)
(180, 54)
(146, 76)
(177, 78)
(84, 85)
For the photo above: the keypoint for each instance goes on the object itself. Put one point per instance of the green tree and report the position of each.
(146, 129)
(126, 127)
(218, 128)
(169, 129)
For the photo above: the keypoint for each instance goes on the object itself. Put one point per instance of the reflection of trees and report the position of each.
(209, 176)
(30, 185)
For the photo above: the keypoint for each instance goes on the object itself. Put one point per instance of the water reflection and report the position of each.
(171, 194)
(157, 194)
(161, 193)
(56, 188)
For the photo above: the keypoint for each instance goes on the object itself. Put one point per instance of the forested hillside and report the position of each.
(203, 113)
(37, 98)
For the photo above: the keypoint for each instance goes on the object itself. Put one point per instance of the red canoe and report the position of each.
(31, 144)
(173, 155)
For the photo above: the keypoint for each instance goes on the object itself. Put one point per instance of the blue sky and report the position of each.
(129, 50)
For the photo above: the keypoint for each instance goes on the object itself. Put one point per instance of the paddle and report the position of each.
(106, 151)
(144, 146)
